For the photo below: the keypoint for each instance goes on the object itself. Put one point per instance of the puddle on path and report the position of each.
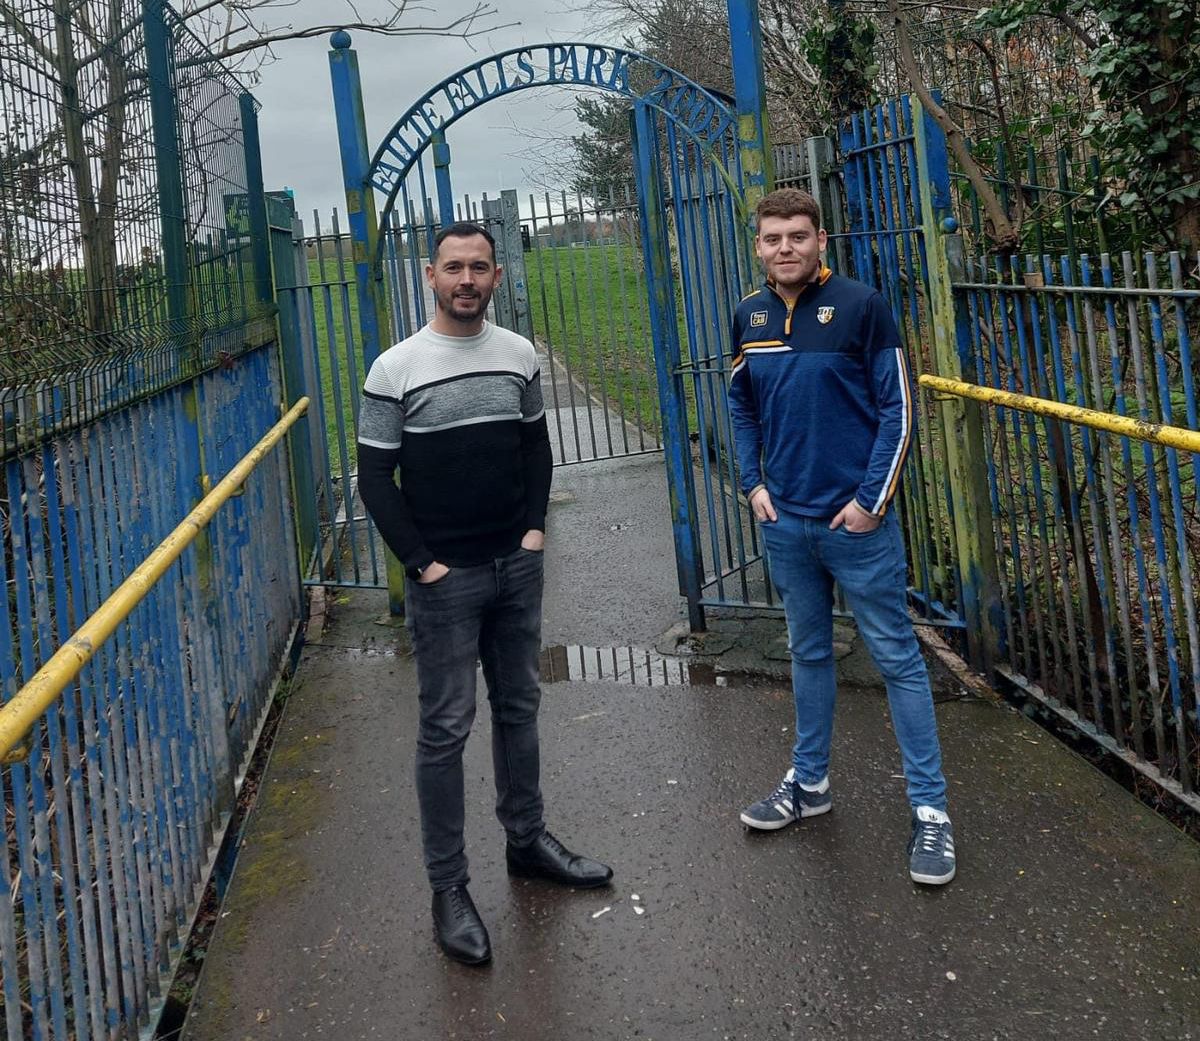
(633, 666)
(630, 666)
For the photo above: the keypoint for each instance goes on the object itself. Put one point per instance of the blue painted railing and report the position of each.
(126, 784)
(887, 249)
(1095, 538)
(1098, 534)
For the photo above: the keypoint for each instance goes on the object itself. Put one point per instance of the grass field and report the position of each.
(589, 307)
(335, 324)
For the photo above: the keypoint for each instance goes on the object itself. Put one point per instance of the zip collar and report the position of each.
(822, 277)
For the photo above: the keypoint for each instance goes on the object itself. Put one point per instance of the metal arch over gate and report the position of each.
(700, 161)
(703, 113)
(706, 117)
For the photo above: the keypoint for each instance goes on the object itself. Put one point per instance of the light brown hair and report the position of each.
(787, 202)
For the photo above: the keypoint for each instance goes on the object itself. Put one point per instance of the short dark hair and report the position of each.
(787, 202)
(463, 230)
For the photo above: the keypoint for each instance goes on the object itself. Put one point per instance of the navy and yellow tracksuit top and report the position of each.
(820, 396)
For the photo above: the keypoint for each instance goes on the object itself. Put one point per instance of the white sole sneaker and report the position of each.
(805, 811)
(933, 880)
(758, 825)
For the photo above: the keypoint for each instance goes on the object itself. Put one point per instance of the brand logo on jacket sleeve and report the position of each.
(824, 315)
(758, 318)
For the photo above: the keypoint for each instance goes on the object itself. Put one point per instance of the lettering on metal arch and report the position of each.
(704, 114)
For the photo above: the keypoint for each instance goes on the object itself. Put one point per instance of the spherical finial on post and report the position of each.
(340, 40)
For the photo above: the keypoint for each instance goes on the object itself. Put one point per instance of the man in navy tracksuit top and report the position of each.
(822, 407)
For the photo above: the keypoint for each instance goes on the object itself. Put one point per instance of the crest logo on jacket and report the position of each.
(824, 315)
(758, 318)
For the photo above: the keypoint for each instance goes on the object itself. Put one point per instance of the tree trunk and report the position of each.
(112, 154)
(1005, 237)
(1182, 161)
(97, 227)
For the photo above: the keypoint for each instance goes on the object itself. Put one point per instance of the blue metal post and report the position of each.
(260, 244)
(169, 167)
(441, 170)
(856, 199)
(360, 198)
(664, 324)
(750, 96)
(364, 231)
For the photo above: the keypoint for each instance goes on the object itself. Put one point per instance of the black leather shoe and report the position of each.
(460, 931)
(549, 859)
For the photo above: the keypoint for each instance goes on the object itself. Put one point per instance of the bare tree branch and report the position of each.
(994, 73)
(1081, 33)
(10, 18)
(238, 28)
(1003, 233)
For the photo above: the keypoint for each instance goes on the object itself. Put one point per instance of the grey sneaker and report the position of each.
(931, 848)
(787, 803)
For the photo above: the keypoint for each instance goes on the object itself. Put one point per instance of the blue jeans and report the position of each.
(491, 612)
(806, 558)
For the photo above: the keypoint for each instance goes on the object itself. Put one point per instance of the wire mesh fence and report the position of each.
(213, 157)
(92, 312)
(1031, 81)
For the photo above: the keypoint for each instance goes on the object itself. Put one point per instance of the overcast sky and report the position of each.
(489, 147)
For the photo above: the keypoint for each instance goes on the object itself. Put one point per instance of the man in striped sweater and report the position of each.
(457, 407)
(822, 407)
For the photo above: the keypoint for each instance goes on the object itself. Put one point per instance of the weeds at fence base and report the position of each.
(1164, 802)
(187, 974)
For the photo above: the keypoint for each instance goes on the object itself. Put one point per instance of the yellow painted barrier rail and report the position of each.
(20, 713)
(1098, 566)
(1156, 433)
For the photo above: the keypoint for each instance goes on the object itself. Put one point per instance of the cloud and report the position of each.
(490, 147)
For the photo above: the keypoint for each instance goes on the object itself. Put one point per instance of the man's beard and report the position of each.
(461, 307)
(802, 274)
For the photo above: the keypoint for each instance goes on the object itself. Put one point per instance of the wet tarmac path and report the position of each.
(1075, 913)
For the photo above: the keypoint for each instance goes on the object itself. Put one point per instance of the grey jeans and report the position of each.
(491, 612)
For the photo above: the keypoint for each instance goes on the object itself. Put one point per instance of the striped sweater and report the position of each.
(821, 397)
(462, 418)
